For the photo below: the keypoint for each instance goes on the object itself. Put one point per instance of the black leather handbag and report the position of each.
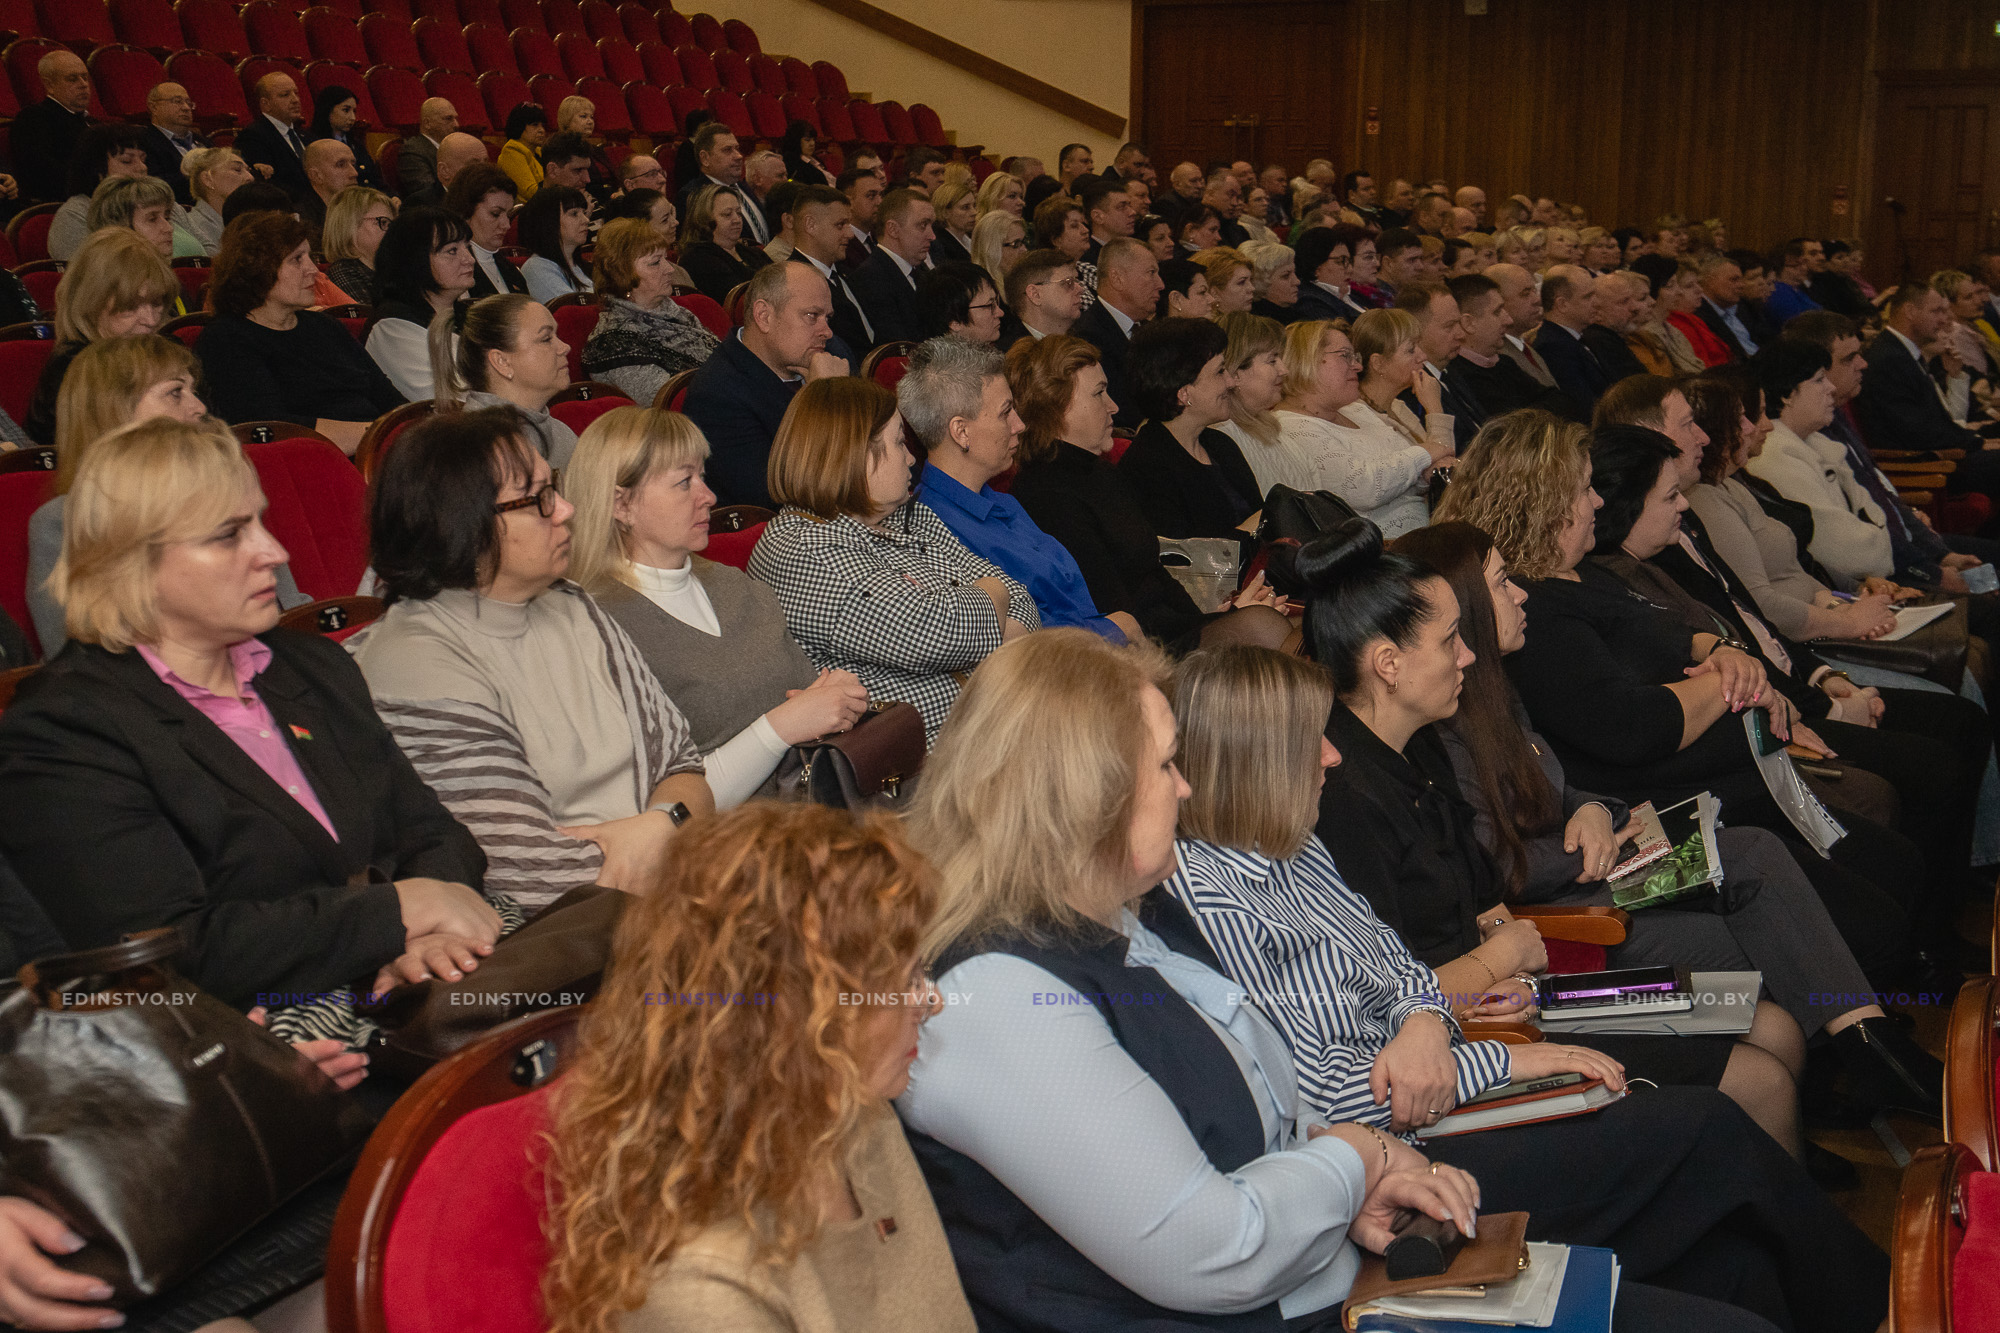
(155, 1120)
(1291, 519)
(1936, 652)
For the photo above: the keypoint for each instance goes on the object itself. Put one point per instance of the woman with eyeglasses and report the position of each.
(959, 300)
(356, 221)
(999, 241)
(524, 706)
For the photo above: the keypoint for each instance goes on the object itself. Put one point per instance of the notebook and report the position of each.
(1586, 1279)
(1724, 1004)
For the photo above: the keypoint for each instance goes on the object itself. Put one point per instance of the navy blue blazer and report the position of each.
(889, 298)
(163, 161)
(1899, 407)
(1577, 372)
(738, 402)
(1608, 346)
(1096, 327)
(1316, 302)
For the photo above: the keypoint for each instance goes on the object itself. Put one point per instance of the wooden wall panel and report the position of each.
(1629, 107)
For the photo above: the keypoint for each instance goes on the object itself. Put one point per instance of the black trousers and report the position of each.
(1693, 1197)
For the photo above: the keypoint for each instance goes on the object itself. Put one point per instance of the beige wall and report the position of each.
(1080, 46)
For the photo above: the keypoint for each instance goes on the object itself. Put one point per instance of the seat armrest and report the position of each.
(1577, 923)
(1501, 1030)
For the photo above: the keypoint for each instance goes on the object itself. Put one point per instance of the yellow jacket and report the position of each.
(523, 167)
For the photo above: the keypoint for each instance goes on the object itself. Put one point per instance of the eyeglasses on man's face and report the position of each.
(543, 500)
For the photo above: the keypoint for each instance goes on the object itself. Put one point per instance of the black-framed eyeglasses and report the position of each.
(984, 305)
(544, 499)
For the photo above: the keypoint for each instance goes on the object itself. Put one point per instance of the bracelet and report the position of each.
(1492, 977)
(1385, 1146)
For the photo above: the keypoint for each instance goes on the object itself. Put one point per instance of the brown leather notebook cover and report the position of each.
(1495, 1255)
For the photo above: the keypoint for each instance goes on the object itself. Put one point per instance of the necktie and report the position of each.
(298, 144)
(833, 275)
(753, 216)
(1528, 351)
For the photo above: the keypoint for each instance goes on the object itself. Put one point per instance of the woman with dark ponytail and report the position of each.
(423, 266)
(502, 351)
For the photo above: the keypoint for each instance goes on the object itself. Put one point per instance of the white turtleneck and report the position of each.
(739, 766)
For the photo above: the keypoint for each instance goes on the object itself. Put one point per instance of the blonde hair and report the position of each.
(570, 108)
(699, 224)
(458, 365)
(993, 191)
(1517, 482)
(1950, 282)
(620, 247)
(949, 193)
(1027, 797)
(1220, 262)
(1251, 336)
(957, 173)
(1267, 260)
(113, 271)
(139, 490)
(101, 390)
(343, 218)
(618, 452)
(679, 1117)
(1250, 721)
(988, 234)
(1305, 344)
(118, 199)
(200, 162)
(1516, 239)
(1381, 333)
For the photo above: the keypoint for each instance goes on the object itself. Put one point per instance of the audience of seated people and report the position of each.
(1245, 333)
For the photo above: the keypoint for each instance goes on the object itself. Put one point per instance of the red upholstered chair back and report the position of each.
(574, 322)
(725, 548)
(1975, 1269)
(580, 404)
(21, 362)
(440, 1229)
(28, 233)
(1571, 956)
(706, 310)
(318, 509)
(21, 494)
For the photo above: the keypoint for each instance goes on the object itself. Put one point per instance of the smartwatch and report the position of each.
(678, 812)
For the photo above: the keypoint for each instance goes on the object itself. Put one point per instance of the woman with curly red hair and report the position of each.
(724, 1154)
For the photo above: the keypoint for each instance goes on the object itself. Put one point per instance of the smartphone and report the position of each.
(1590, 990)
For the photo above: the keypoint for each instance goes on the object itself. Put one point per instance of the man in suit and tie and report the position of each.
(1128, 291)
(1523, 302)
(44, 136)
(1721, 297)
(1494, 383)
(863, 191)
(274, 142)
(330, 168)
(1044, 297)
(1440, 335)
(1074, 160)
(1616, 307)
(1568, 308)
(484, 196)
(170, 137)
(720, 158)
(1901, 406)
(819, 241)
(417, 159)
(1222, 192)
(739, 395)
(887, 282)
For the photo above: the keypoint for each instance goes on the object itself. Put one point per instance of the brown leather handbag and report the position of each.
(1936, 652)
(874, 764)
(155, 1120)
(556, 960)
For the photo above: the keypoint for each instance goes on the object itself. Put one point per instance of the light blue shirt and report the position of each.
(1024, 1076)
(1736, 325)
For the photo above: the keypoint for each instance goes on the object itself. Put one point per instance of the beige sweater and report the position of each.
(852, 1279)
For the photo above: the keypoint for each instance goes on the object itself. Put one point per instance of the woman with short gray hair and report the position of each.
(955, 400)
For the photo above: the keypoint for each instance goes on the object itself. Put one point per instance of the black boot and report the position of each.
(1829, 1170)
(1887, 1071)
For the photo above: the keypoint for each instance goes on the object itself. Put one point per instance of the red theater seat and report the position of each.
(580, 404)
(535, 53)
(896, 119)
(575, 318)
(832, 83)
(734, 71)
(579, 57)
(332, 35)
(550, 90)
(675, 30)
(729, 109)
(522, 14)
(123, 75)
(707, 30)
(388, 42)
(613, 122)
(741, 37)
(802, 108)
(652, 114)
(799, 80)
(767, 75)
(78, 24)
(398, 96)
(930, 130)
(148, 23)
(663, 68)
(218, 97)
(562, 16)
(442, 46)
(492, 50)
(463, 94)
(767, 117)
(835, 122)
(697, 69)
(252, 68)
(276, 32)
(868, 124)
(317, 509)
(600, 20)
(622, 64)
(638, 22)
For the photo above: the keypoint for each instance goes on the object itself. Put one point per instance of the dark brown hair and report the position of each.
(254, 248)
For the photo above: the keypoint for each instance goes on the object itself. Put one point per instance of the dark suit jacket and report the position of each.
(261, 145)
(1096, 327)
(945, 248)
(122, 808)
(738, 402)
(416, 171)
(1460, 403)
(1899, 407)
(483, 285)
(717, 272)
(1608, 346)
(1504, 387)
(1316, 302)
(44, 140)
(1179, 496)
(163, 161)
(1707, 314)
(889, 298)
(1577, 372)
(846, 321)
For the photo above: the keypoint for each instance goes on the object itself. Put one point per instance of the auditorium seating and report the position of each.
(580, 404)
(317, 506)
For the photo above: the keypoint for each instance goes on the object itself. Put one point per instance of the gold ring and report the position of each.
(1434, 1168)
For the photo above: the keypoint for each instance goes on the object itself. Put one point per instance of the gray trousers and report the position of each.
(1782, 931)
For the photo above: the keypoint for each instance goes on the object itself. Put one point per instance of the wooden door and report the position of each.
(1937, 156)
(1197, 103)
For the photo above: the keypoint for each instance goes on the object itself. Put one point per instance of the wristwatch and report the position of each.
(678, 812)
(1737, 644)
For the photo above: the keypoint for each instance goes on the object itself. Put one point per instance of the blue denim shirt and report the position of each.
(995, 526)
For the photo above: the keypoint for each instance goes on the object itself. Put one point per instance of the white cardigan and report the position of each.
(1850, 532)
